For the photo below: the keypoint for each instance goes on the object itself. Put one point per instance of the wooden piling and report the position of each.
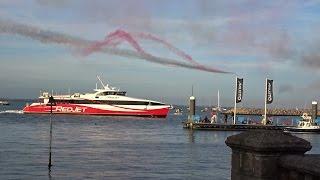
(51, 101)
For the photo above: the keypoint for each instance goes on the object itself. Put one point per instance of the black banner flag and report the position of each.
(239, 91)
(269, 97)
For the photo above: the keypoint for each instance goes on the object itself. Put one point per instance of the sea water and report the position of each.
(100, 147)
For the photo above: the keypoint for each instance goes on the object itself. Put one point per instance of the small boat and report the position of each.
(178, 111)
(5, 103)
(204, 109)
(306, 124)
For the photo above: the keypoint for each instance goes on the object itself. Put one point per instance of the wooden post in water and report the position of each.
(314, 112)
(192, 111)
(51, 101)
(192, 106)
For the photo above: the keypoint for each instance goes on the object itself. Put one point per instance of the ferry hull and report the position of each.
(160, 112)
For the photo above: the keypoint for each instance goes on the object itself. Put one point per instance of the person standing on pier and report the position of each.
(213, 117)
(225, 118)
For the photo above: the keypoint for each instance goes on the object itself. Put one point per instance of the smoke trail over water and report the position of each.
(44, 36)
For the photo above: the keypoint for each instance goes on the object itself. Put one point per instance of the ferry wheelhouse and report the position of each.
(103, 101)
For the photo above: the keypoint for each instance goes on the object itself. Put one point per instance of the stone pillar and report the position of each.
(256, 153)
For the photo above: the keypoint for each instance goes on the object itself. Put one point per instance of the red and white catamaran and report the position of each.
(104, 101)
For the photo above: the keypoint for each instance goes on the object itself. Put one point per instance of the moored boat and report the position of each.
(103, 101)
(178, 111)
(6, 103)
(305, 124)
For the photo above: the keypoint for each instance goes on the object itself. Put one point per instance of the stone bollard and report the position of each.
(256, 153)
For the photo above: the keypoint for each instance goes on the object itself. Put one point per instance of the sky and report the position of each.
(160, 49)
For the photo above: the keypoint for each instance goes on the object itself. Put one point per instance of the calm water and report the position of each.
(97, 147)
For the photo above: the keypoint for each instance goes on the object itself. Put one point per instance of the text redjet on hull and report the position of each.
(105, 101)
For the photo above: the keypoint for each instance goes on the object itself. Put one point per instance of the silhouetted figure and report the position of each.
(225, 119)
(206, 120)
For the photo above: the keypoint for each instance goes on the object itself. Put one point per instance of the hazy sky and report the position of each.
(42, 45)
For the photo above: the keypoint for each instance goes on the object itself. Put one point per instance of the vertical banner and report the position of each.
(239, 90)
(238, 93)
(269, 95)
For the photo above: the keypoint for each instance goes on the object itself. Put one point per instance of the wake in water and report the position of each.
(11, 112)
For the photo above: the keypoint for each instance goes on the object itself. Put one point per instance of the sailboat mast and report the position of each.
(218, 100)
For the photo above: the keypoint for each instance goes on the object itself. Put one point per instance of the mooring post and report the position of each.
(256, 153)
(192, 106)
(51, 102)
(314, 112)
(192, 112)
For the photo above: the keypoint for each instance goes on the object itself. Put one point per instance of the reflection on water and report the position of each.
(100, 147)
(109, 148)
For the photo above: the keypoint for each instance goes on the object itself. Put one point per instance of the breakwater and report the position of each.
(270, 112)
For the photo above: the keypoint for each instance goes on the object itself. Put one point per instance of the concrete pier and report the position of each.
(257, 155)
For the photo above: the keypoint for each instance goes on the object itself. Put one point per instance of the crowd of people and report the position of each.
(275, 112)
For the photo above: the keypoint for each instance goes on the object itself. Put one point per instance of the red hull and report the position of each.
(85, 110)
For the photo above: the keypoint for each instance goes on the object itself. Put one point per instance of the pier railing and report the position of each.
(272, 154)
(270, 112)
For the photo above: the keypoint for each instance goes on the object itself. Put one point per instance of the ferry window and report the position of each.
(156, 104)
(106, 93)
(127, 102)
(122, 93)
(139, 103)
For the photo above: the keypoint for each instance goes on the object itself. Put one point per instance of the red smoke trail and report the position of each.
(52, 37)
(168, 45)
(115, 38)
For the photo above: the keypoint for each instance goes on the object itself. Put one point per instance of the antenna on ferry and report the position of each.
(101, 82)
(218, 100)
